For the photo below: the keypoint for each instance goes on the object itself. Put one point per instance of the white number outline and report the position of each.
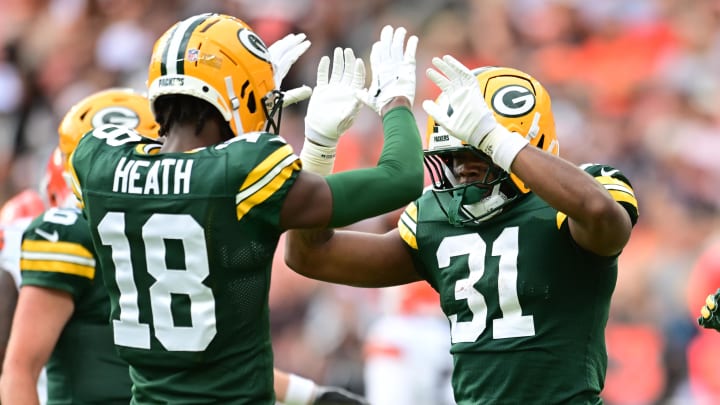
(115, 135)
(60, 216)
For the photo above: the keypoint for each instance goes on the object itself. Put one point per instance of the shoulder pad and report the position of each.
(617, 184)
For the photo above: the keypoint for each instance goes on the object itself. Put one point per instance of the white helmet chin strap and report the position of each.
(487, 204)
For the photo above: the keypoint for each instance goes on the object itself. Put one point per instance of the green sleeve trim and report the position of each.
(396, 180)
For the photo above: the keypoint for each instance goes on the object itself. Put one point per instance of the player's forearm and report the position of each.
(306, 253)
(18, 387)
(605, 224)
(395, 181)
(562, 184)
(396, 102)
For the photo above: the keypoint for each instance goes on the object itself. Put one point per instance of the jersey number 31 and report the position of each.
(512, 323)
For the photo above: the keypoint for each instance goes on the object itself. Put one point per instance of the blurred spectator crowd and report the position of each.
(634, 83)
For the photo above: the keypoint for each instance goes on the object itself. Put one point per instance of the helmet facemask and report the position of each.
(471, 202)
(272, 106)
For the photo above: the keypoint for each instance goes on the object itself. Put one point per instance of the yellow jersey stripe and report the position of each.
(409, 221)
(407, 235)
(621, 196)
(58, 257)
(58, 267)
(619, 190)
(607, 180)
(44, 246)
(411, 211)
(266, 166)
(407, 225)
(560, 218)
(270, 187)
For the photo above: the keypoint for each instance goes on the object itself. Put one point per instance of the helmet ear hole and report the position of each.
(251, 104)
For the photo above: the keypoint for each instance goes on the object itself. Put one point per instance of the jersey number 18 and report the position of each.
(128, 330)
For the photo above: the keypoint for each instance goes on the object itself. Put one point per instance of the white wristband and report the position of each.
(319, 138)
(317, 159)
(300, 391)
(502, 146)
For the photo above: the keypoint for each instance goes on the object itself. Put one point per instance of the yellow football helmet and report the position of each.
(219, 59)
(120, 106)
(521, 104)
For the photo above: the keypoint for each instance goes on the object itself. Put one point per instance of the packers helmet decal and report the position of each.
(513, 101)
(252, 42)
(117, 106)
(118, 115)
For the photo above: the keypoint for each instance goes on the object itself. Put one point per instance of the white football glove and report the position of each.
(333, 105)
(469, 118)
(393, 70)
(283, 54)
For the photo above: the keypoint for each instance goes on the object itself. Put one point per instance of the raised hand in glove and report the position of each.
(709, 315)
(337, 396)
(283, 54)
(333, 105)
(469, 119)
(393, 69)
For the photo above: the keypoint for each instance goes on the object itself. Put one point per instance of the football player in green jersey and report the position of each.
(709, 317)
(521, 245)
(185, 231)
(60, 287)
(63, 291)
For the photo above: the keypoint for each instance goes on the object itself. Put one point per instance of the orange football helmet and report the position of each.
(26, 204)
(54, 185)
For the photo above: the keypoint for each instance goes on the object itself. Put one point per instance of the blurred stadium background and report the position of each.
(635, 84)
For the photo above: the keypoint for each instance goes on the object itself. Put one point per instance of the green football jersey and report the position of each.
(84, 367)
(185, 242)
(527, 306)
